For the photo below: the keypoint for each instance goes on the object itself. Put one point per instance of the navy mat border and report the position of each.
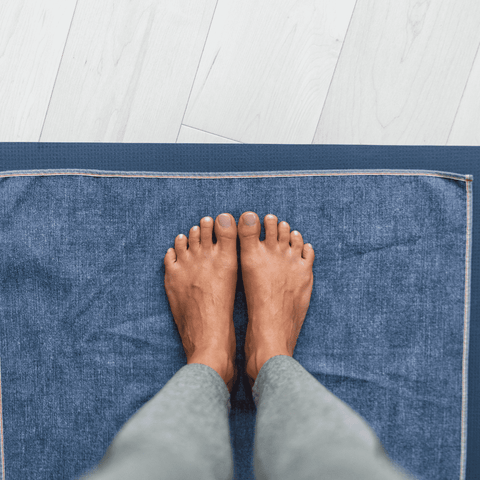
(172, 157)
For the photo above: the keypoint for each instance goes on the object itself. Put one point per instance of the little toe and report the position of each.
(308, 253)
(194, 238)
(206, 230)
(180, 245)
(284, 234)
(226, 231)
(296, 241)
(170, 257)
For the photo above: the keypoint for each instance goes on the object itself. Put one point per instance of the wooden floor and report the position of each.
(385, 72)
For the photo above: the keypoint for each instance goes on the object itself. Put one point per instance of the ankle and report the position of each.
(261, 357)
(222, 364)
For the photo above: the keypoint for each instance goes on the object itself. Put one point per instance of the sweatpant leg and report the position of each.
(304, 431)
(182, 432)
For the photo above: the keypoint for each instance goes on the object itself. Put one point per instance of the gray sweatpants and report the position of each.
(303, 431)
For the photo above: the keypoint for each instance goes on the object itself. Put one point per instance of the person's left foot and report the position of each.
(200, 283)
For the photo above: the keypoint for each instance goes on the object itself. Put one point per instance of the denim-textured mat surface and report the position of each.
(87, 335)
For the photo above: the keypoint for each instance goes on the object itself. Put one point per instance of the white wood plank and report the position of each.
(466, 127)
(266, 69)
(193, 135)
(32, 37)
(127, 70)
(401, 73)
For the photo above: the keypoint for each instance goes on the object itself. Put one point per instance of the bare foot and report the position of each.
(200, 283)
(278, 281)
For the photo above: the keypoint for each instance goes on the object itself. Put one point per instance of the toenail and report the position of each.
(249, 219)
(224, 220)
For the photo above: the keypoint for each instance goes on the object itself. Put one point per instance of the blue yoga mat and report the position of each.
(86, 331)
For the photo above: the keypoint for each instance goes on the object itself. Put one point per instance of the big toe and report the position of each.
(226, 231)
(249, 228)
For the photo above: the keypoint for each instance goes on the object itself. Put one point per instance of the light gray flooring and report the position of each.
(397, 72)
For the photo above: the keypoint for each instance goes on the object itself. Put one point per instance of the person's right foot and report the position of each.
(278, 281)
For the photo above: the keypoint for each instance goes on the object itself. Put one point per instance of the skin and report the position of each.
(200, 282)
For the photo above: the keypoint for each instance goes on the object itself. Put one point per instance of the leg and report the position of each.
(303, 431)
(182, 432)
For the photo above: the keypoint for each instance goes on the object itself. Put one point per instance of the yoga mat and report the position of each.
(87, 335)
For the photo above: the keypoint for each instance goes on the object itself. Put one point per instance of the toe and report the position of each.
(249, 229)
(271, 235)
(308, 253)
(194, 238)
(180, 245)
(296, 241)
(206, 230)
(226, 231)
(170, 257)
(284, 234)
